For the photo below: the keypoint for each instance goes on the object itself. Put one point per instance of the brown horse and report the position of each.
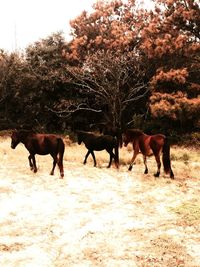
(148, 145)
(95, 142)
(41, 144)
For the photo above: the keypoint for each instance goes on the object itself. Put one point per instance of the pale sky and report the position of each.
(23, 22)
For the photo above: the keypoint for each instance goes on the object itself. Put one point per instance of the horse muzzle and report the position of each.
(125, 144)
(13, 146)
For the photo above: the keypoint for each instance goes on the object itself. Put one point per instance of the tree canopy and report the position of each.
(122, 61)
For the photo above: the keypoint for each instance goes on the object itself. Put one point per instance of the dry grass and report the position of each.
(189, 212)
(98, 216)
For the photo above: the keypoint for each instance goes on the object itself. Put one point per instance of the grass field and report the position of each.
(98, 216)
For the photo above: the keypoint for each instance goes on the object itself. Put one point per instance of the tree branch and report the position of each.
(69, 112)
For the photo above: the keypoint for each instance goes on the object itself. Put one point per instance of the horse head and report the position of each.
(19, 136)
(15, 139)
(79, 136)
(126, 138)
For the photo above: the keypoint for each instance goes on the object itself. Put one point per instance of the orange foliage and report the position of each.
(177, 76)
(195, 87)
(166, 39)
(175, 106)
(177, 30)
(113, 25)
(172, 41)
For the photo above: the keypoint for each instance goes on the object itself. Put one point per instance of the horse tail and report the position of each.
(60, 149)
(120, 141)
(116, 149)
(166, 158)
(60, 152)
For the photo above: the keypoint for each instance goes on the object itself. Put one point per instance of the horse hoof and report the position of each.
(156, 174)
(35, 170)
(51, 173)
(145, 172)
(130, 168)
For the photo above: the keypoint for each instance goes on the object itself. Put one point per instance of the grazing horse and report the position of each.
(95, 142)
(148, 145)
(41, 144)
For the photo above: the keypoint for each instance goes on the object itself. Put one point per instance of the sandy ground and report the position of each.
(94, 216)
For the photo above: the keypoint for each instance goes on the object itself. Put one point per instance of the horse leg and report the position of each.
(34, 163)
(145, 163)
(30, 162)
(60, 165)
(86, 156)
(116, 159)
(171, 174)
(157, 157)
(95, 163)
(111, 156)
(55, 160)
(133, 159)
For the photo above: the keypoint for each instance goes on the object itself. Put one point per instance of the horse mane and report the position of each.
(23, 133)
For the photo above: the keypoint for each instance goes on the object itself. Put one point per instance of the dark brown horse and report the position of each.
(148, 145)
(41, 144)
(95, 142)
(107, 128)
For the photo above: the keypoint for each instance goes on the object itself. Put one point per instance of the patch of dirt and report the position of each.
(94, 216)
(11, 247)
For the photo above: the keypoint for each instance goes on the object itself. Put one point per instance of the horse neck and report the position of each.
(135, 134)
(24, 135)
(84, 136)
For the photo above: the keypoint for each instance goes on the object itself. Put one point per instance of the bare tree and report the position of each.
(114, 83)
